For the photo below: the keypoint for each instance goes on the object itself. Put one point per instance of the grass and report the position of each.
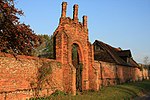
(119, 92)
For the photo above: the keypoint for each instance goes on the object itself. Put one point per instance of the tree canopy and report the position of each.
(15, 37)
(46, 48)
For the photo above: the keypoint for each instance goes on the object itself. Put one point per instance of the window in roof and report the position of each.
(98, 48)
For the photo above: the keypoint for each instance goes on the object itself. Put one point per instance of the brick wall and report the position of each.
(21, 77)
(107, 73)
(111, 74)
(145, 73)
(138, 74)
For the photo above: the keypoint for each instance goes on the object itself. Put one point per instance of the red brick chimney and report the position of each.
(85, 21)
(64, 8)
(75, 12)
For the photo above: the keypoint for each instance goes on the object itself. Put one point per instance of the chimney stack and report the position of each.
(64, 8)
(75, 12)
(85, 21)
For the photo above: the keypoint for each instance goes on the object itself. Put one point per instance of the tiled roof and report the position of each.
(110, 54)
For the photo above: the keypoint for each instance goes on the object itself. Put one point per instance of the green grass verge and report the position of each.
(119, 92)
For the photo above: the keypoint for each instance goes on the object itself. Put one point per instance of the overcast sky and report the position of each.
(119, 23)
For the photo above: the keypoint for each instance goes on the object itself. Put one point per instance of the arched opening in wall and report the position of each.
(76, 61)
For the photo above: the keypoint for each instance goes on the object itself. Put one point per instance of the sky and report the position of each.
(119, 23)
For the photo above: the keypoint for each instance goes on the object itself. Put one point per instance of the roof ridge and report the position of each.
(109, 48)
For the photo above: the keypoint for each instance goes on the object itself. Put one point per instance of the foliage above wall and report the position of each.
(45, 49)
(15, 37)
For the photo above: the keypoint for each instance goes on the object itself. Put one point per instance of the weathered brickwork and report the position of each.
(70, 32)
(95, 73)
(112, 74)
(145, 73)
(23, 77)
(19, 77)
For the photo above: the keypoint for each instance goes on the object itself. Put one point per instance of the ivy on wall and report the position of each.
(44, 71)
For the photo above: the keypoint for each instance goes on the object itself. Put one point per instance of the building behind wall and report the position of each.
(78, 64)
(116, 65)
(102, 65)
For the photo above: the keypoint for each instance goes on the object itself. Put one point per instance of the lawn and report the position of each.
(119, 92)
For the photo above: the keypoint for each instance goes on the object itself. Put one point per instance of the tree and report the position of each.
(45, 49)
(15, 37)
(146, 60)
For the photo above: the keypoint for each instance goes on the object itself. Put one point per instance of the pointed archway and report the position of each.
(70, 33)
(76, 62)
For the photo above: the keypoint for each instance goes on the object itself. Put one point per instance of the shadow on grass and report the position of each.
(142, 86)
(119, 92)
(128, 91)
(135, 89)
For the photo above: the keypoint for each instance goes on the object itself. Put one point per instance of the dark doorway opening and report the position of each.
(78, 65)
